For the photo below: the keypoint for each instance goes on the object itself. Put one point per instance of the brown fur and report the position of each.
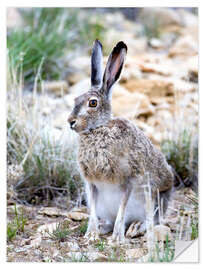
(119, 150)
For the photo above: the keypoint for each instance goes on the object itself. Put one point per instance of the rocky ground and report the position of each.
(158, 91)
(52, 234)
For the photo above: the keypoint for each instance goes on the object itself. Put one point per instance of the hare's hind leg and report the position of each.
(119, 227)
(93, 225)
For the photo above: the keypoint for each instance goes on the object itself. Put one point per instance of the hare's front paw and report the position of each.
(118, 233)
(92, 232)
(92, 236)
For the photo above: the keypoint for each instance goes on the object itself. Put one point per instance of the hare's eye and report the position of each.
(93, 103)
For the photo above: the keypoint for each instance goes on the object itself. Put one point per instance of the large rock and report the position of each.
(131, 105)
(185, 46)
(135, 45)
(151, 88)
(160, 16)
(76, 76)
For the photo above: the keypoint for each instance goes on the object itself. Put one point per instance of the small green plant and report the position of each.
(116, 255)
(60, 233)
(82, 258)
(100, 245)
(168, 253)
(17, 225)
(194, 233)
(11, 231)
(83, 227)
(194, 202)
(165, 254)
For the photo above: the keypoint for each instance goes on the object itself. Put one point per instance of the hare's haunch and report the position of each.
(116, 158)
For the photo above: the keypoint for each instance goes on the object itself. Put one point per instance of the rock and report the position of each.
(192, 69)
(71, 246)
(56, 87)
(36, 242)
(161, 232)
(183, 87)
(75, 77)
(135, 253)
(131, 105)
(135, 45)
(156, 16)
(157, 68)
(119, 91)
(95, 256)
(156, 43)
(185, 46)
(129, 73)
(52, 212)
(77, 216)
(151, 88)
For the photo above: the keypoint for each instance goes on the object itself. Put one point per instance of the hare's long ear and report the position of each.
(96, 64)
(114, 66)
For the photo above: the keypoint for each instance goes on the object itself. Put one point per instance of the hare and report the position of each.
(115, 157)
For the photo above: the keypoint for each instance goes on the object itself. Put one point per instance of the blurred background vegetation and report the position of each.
(47, 35)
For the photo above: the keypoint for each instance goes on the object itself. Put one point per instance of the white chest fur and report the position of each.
(109, 199)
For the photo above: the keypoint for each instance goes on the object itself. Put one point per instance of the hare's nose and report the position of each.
(72, 123)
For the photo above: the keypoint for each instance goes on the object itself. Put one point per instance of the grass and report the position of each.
(60, 233)
(82, 258)
(165, 253)
(48, 34)
(83, 227)
(17, 225)
(49, 164)
(182, 154)
(116, 255)
(100, 245)
(194, 230)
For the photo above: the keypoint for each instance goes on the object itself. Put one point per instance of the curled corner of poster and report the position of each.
(186, 251)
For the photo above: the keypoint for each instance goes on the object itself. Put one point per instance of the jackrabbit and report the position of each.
(114, 155)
